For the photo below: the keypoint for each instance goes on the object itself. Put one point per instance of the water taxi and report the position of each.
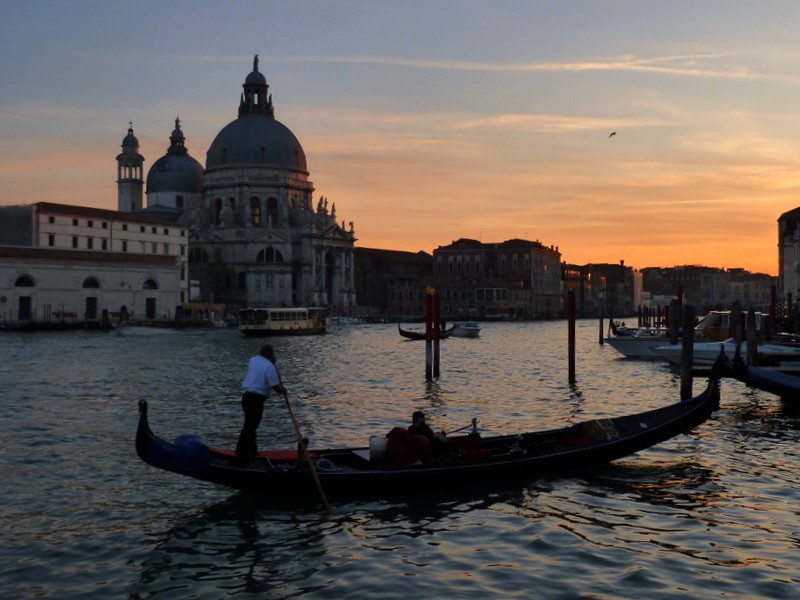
(284, 321)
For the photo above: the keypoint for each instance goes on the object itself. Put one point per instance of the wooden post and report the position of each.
(674, 318)
(601, 327)
(735, 326)
(436, 326)
(428, 336)
(571, 334)
(752, 337)
(773, 301)
(687, 352)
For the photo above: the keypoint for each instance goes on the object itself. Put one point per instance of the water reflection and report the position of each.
(255, 548)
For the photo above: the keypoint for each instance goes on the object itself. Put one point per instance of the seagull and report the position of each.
(612, 133)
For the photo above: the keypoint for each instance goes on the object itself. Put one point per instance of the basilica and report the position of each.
(257, 237)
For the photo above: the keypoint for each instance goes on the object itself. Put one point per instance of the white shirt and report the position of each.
(261, 376)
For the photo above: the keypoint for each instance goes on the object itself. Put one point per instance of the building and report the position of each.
(789, 255)
(515, 279)
(390, 284)
(257, 237)
(72, 264)
(607, 289)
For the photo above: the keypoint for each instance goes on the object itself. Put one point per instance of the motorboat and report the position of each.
(466, 329)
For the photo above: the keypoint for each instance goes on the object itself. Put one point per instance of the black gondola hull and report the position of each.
(349, 471)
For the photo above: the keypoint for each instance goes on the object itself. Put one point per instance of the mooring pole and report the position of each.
(428, 335)
(437, 332)
(571, 334)
(687, 352)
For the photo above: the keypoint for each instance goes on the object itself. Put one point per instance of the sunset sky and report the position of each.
(427, 121)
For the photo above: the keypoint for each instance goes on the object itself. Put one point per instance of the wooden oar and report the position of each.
(306, 457)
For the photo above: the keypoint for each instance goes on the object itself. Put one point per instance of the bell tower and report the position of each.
(130, 180)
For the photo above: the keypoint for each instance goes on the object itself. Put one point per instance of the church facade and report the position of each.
(257, 237)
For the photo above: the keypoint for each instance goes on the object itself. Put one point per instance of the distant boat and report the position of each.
(467, 329)
(715, 326)
(283, 321)
(420, 335)
(706, 353)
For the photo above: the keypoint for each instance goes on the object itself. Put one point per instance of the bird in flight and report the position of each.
(612, 133)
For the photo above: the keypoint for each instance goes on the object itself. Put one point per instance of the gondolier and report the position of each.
(261, 377)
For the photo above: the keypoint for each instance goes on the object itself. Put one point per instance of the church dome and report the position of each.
(256, 141)
(176, 171)
(256, 138)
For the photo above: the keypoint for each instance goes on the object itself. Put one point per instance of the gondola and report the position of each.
(771, 380)
(470, 457)
(420, 335)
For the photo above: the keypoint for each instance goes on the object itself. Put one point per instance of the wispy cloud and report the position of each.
(695, 66)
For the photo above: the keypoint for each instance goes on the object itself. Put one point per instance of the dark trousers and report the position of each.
(253, 407)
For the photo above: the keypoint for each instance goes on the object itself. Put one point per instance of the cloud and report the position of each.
(680, 65)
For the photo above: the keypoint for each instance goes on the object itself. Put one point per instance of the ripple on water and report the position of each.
(709, 513)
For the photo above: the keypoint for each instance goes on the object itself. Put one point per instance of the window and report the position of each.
(51, 240)
(183, 250)
(74, 222)
(89, 243)
(124, 227)
(179, 201)
(90, 223)
(255, 211)
(166, 248)
(74, 241)
(91, 282)
(141, 229)
(183, 233)
(166, 231)
(105, 225)
(155, 230)
(272, 211)
(269, 255)
(150, 284)
(51, 219)
(154, 248)
(124, 245)
(105, 244)
(24, 281)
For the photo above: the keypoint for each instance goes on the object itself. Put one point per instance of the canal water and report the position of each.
(710, 514)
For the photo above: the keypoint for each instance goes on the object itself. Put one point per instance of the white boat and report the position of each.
(705, 353)
(641, 344)
(283, 321)
(467, 329)
(714, 327)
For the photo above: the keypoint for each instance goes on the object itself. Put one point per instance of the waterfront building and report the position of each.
(789, 255)
(514, 279)
(71, 264)
(390, 284)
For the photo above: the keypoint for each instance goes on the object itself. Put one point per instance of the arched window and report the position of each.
(91, 282)
(272, 211)
(150, 284)
(24, 281)
(269, 255)
(255, 211)
(217, 209)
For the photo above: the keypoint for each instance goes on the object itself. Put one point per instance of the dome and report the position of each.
(256, 140)
(130, 141)
(255, 78)
(176, 171)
